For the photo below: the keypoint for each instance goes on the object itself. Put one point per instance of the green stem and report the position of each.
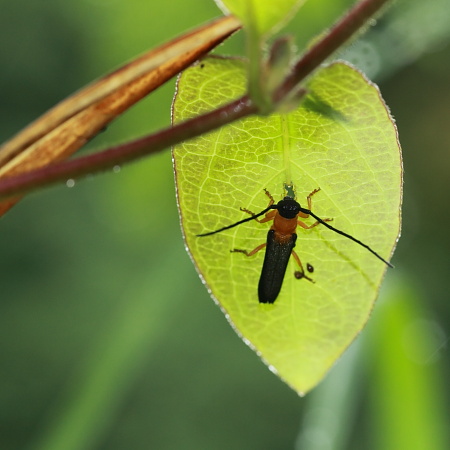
(256, 89)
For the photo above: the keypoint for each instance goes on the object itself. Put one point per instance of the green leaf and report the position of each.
(343, 140)
(262, 16)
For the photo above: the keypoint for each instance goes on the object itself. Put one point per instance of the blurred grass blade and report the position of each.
(95, 393)
(70, 124)
(331, 408)
(394, 370)
(406, 384)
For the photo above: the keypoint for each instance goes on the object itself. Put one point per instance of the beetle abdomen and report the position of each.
(274, 267)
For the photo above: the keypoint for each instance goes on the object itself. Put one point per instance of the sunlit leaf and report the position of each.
(343, 140)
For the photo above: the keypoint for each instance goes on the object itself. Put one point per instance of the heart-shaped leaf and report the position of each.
(341, 140)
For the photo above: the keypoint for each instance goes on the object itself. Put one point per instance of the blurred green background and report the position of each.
(108, 340)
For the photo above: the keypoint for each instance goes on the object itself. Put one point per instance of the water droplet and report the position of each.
(70, 183)
(117, 169)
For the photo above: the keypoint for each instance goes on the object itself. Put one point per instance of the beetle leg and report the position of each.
(308, 199)
(247, 211)
(246, 253)
(271, 202)
(308, 227)
(269, 216)
(301, 273)
(305, 216)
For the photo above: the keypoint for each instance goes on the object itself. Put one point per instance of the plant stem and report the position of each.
(351, 23)
(115, 156)
(347, 26)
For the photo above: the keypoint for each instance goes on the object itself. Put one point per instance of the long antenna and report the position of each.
(307, 211)
(238, 223)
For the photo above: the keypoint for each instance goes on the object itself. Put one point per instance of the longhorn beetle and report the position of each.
(281, 240)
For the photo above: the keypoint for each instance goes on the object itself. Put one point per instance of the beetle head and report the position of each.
(288, 208)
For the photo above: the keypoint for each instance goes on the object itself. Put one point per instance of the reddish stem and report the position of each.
(132, 150)
(340, 33)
